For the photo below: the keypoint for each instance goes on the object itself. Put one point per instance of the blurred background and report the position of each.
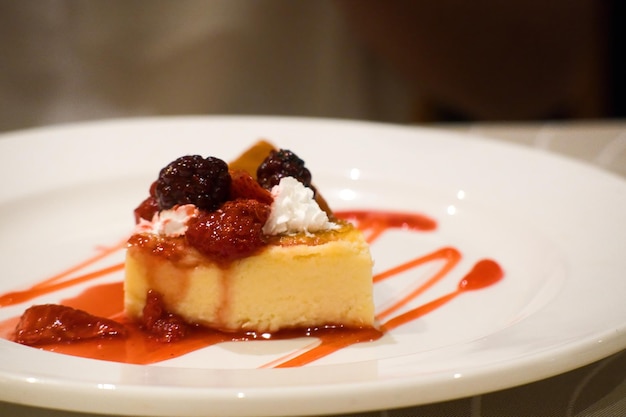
(405, 61)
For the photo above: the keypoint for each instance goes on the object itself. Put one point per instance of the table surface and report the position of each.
(595, 390)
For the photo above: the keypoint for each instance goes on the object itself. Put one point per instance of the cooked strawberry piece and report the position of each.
(53, 323)
(243, 186)
(161, 324)
(234, 231)
(147, 209)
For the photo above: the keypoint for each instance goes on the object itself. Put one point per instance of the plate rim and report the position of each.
(615, 339)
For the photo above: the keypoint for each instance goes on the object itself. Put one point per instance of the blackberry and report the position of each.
(193, 179)
(279, 164)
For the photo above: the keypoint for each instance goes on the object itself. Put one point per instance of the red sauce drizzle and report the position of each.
(106, 300)
(486, 272)
(58, 281)
(375, 223)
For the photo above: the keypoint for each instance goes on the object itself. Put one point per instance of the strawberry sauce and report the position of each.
(138, 347)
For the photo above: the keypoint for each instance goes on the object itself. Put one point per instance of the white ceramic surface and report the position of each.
(558, 228)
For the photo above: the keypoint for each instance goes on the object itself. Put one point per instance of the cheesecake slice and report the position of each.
(268, 255)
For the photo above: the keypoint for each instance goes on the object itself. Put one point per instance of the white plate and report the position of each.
(558, 228)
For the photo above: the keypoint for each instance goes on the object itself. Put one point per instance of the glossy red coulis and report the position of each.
(137, 347)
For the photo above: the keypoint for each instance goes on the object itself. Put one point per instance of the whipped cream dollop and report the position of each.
(171, 222)
(295, 210)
